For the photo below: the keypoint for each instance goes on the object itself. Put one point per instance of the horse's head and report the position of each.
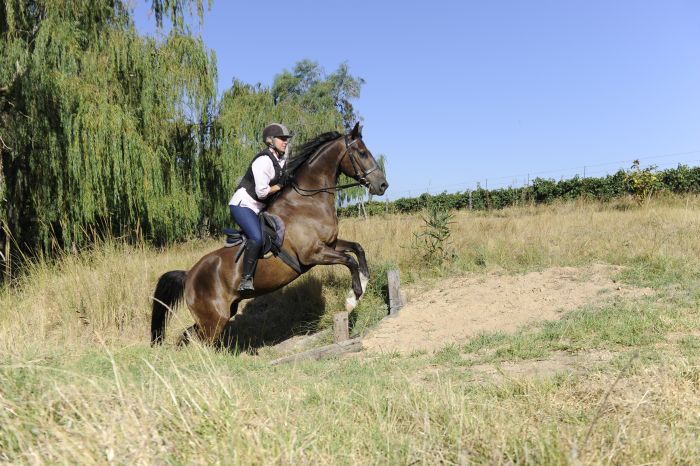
(359, 164)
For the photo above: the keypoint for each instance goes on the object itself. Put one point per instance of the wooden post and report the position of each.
(395, 298)
(340, 327)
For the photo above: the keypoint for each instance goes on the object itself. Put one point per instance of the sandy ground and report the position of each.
(456, 309)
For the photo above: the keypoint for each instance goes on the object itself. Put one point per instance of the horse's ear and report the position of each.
(356, 131)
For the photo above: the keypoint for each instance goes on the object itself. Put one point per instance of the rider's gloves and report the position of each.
(285, 178)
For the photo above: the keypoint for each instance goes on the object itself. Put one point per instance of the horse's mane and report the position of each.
(309, 148)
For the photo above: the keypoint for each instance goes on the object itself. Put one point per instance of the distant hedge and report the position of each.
(683, 179)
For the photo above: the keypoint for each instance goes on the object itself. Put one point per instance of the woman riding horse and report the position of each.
(307, 208)
(262, 179)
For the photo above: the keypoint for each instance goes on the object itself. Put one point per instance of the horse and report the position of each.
(307, 208)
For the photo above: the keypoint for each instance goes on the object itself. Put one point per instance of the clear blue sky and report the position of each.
(460, 92)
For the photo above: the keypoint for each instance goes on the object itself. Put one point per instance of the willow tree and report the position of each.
(102, 131)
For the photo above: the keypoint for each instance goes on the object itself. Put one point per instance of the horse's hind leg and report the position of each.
(211, 331)
(208, 298)
(210, 320)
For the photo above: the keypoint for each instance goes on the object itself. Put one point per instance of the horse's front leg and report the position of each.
(325, 255)
(351, 246)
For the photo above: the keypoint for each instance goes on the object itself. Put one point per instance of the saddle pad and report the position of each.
(272, 229)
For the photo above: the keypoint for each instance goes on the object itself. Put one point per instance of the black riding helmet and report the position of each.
(275, 130)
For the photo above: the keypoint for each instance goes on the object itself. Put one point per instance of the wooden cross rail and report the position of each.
(341, 333)
(352, 345)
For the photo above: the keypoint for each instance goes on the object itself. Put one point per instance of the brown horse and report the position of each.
(307, 207)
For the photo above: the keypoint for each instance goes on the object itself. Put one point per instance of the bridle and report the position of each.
(360, 174)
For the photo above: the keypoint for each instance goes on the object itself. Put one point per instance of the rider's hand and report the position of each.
(285, 178)
(275, 188)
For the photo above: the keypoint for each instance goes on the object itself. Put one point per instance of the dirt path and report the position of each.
(459, 308)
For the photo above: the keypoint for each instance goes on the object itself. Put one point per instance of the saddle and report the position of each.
(273, 237)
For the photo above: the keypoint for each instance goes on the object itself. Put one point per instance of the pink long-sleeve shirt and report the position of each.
(263, 172)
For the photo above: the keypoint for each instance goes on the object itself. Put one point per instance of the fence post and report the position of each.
(340, 327)
(395, 299)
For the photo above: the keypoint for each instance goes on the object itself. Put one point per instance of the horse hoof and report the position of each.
(350, 301)
(364, 279)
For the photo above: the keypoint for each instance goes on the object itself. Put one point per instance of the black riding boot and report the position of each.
(250, 260)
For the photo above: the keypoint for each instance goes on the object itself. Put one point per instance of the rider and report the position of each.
(262, 179)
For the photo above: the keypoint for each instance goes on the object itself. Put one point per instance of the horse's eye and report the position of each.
(363, 154)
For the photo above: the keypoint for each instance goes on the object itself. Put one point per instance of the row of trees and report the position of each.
(636, 182)
(104, 132)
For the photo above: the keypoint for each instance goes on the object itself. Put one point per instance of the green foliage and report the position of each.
(176, 11)
(680, 180)
(99, 141)
(432, 243)
(606, 188)
(307, 88)
(641, 182)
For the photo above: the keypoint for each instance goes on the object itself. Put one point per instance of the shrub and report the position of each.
(432, 243)
(641, 182)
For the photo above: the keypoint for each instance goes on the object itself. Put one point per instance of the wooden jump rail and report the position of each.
(341, 334)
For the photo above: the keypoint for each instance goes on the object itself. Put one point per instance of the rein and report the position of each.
(325, 189)
(332, 189)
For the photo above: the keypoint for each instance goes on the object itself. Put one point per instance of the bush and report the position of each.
(642, 182)
(433, 242)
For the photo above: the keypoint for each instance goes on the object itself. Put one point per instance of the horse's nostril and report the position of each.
(384, 185)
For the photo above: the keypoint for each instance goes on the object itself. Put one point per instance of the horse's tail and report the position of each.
(169, 291)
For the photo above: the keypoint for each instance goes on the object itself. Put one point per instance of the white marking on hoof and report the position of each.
(363, 281)
(350, 301)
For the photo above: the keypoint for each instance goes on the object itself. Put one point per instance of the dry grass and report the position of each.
(565, 234)
(79, 384)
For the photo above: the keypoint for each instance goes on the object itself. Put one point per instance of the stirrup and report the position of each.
(246, 284)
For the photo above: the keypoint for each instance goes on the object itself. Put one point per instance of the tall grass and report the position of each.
(79, 384)
(661, 235)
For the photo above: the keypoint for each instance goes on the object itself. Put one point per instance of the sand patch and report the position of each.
(460, 308)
